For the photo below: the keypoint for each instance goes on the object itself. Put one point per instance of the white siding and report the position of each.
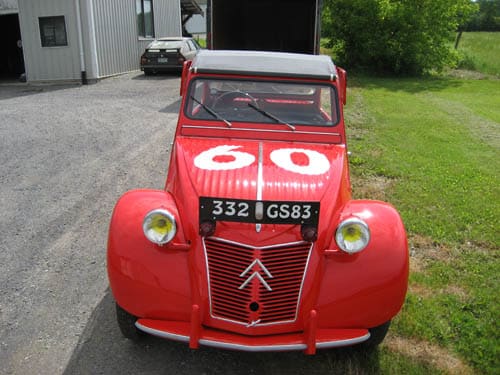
(116, 36)
(8, 7)
(111, 44)
(167, 22)
(167, 18)
(118, 45)
(48, 63)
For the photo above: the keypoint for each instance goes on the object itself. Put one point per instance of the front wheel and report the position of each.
(377, 335)
(126, 322)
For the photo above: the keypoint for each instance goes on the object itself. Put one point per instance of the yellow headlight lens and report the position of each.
(352, 235)
(159, 226)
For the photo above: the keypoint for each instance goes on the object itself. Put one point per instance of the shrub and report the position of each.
(399, 36)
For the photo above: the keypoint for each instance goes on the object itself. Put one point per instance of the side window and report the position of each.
(53, 31)
(145, 19)
(200, 92)
(195, 43)
(192, 45)
(327, 105)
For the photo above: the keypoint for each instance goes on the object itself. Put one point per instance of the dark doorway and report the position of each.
(11, 56)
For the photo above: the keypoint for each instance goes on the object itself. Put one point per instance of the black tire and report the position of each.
(126, 322)
(377, 335)
(148, 72)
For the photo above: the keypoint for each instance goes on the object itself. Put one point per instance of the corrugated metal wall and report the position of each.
(116, 36)
(114, 45)
(167, 18)
(48, 63)
(8, 6)
(118, 44)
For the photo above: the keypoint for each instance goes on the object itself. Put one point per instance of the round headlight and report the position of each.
(159, 226)
(352, 235)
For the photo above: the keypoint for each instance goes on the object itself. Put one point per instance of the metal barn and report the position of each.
(85, 40)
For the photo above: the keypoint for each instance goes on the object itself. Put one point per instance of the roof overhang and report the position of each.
(190, 7)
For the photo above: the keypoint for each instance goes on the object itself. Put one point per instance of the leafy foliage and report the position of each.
(399, 36)
(487, 18)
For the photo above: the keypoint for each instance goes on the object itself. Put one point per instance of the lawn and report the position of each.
(430, 146)
(481, 51)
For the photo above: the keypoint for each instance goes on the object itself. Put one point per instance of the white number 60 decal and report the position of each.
(222, 158)
(236, 159)
(318, 163)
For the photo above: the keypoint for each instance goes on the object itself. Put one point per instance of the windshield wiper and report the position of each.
(211, 111)
(271, 116)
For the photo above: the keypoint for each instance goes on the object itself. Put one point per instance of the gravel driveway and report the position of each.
(66, 155)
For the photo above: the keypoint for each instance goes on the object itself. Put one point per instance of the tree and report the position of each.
(487, 18)
(399, 36)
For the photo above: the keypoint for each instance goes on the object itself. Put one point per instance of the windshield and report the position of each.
(287, 103)
(162, 44)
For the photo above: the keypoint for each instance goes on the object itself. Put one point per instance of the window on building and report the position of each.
(145, 23)
(53, 31)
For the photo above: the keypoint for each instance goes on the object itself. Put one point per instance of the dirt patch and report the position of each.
(425, 352)
(424, 249)
(426, 292)
(468, 74)
(372, 187)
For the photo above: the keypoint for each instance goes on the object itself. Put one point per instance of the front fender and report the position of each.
(368, 288)
(133, 261)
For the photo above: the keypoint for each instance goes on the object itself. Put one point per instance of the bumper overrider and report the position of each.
(229, 293)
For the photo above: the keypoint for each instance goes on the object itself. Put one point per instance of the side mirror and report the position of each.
(342, 85)
(185, 70)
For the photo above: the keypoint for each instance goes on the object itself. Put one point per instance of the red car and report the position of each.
(256, 243)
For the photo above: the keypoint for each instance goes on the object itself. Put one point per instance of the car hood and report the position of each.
(259, 170)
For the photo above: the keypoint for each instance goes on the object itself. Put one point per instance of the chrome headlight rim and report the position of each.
(154, 237)
(355, 246)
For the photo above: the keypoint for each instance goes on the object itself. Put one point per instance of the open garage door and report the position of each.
(11, 56)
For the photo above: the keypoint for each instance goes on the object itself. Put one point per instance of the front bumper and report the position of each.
(307, 341)
(161, 67)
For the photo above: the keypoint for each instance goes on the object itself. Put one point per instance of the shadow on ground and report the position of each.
(102, 350)
(10, 90)
(158, 76)
(173, 108)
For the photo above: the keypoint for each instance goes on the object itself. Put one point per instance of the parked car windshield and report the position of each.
(162, 44)
(262, 102)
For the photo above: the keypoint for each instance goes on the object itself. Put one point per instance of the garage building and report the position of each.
(85, 40)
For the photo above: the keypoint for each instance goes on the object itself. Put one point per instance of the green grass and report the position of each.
(202, 42)
(436, 143)
(480, 51)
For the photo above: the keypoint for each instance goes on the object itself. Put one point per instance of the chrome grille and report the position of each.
(227, 261)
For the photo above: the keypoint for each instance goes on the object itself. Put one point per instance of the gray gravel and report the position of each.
(66, 155)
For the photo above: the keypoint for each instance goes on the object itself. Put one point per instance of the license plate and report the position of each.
(264, 212)
(162, 60)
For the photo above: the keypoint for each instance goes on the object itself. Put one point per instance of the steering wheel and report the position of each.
(231, 96)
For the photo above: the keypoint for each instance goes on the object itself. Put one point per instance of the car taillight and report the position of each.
(181, 59)
(144, 60)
